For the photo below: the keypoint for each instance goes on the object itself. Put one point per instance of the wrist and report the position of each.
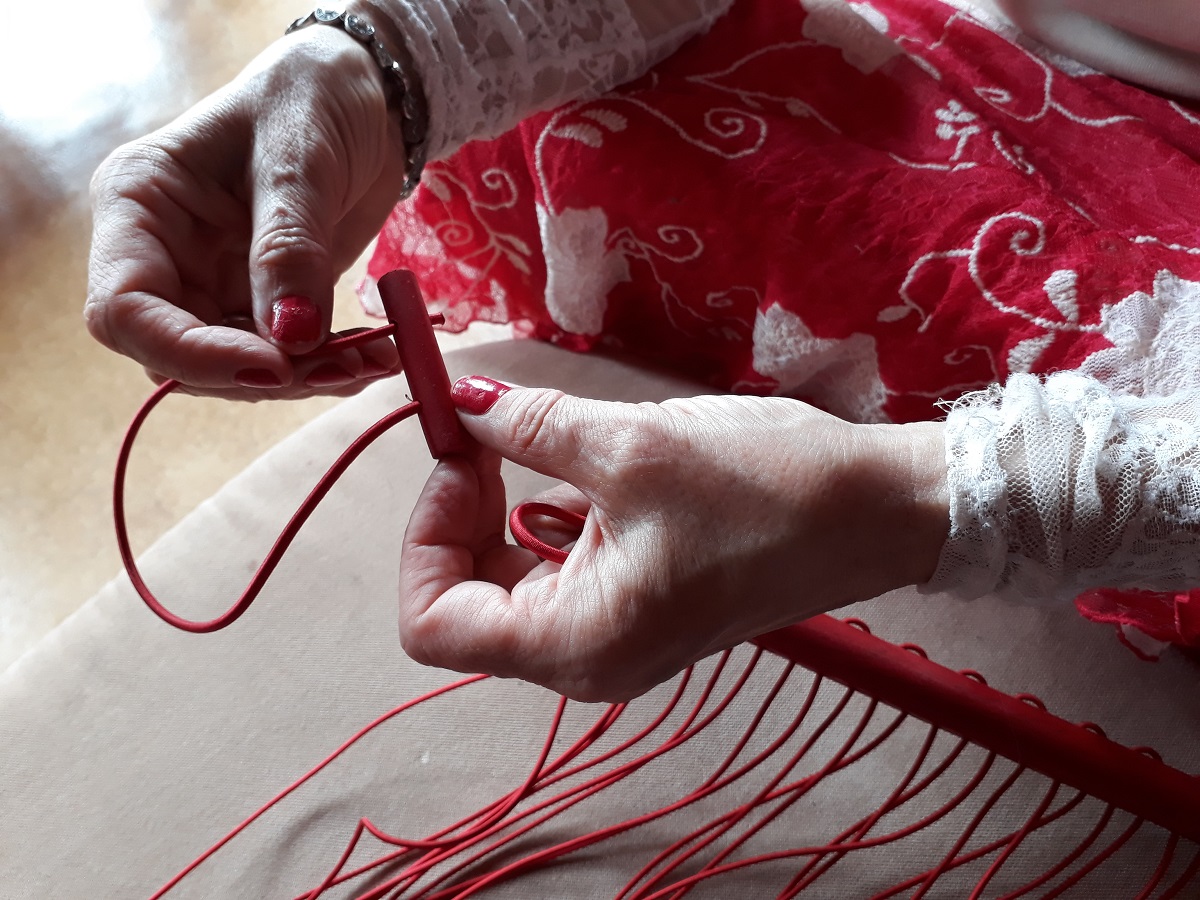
(906, 500)
(387, 17)
(374, 31)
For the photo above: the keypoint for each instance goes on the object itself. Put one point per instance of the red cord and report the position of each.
(524, 536)
(361, 733)
(274, 555)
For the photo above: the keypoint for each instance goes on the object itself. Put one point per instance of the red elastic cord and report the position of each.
(526, 538)
(282, 542)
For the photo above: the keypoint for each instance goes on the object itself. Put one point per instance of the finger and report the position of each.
(175, 344)
(379, 356)
(455, 531)
(340, 373)
(137, 304)
(546, 430)
(329, 371)
(564, 496)
(295, 204)
(255, 395)
(438, 549)
(453, 543)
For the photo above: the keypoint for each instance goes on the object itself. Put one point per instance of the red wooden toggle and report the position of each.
(423, 364)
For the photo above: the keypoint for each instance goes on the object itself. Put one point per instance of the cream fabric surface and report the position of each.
(129, 747)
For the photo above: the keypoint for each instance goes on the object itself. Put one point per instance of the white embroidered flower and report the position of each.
(1154, 340)
(580, 268)
(842, 376)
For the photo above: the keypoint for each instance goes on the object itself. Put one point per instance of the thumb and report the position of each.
(291, 269)
(542, 429)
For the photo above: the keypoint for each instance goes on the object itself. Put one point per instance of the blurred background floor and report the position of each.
(105, 78)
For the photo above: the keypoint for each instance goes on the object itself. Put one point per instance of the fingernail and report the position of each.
(295, 320)
(477, 394)
(328, 375)
(257, 378)
(379, 358)
(372, 369)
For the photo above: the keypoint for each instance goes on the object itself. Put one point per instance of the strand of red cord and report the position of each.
(311, 773)
(492, 833)
(275, 554)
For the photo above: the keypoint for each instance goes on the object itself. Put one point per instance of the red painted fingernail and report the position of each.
(477, 393)
(257, 378)
(328, 375)
(295, 320)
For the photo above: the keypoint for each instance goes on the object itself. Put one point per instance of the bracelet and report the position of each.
(401, 81)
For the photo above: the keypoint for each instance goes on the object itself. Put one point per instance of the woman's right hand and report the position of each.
(708, 521)
(217, 239)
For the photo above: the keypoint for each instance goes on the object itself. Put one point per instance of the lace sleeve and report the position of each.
(1065, 485)
(487, 64)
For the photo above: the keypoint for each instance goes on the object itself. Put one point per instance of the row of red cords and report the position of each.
(444, 845)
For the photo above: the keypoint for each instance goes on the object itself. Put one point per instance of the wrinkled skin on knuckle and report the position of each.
(279, 245)
(415, 643)
(109, 317)
(129, 173)
(133, 170)
(531, 419)
(96, 320)
(122, 166)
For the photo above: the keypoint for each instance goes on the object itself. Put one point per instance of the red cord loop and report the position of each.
(271, 560)
(410, 326)
(517, 523)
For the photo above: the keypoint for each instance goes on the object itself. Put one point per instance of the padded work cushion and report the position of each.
(130, 747)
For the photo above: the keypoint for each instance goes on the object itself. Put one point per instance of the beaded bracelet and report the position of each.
(401, 81)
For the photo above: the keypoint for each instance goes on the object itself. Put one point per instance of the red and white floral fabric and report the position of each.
(873, 206)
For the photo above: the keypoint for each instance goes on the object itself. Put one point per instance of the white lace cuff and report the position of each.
(487, 64)
(1062, 486)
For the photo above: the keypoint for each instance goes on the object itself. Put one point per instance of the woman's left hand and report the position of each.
(709, 521)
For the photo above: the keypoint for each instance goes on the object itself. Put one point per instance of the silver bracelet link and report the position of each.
(401, 81)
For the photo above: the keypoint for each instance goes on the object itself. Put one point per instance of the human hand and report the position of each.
(710, 520)
(218, 239)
